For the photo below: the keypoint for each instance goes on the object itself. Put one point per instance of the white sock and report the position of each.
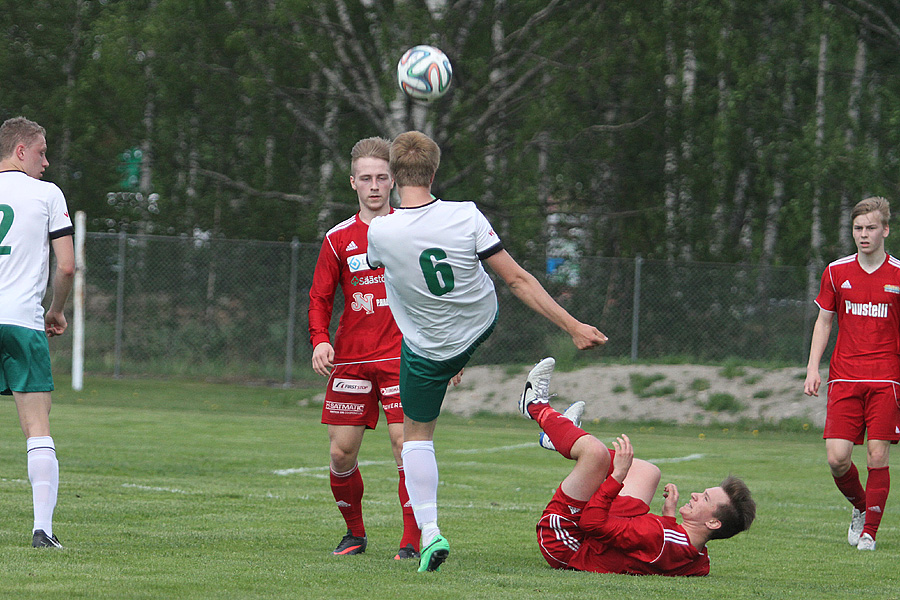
(420, 466)
(43, 472)
(429, 532)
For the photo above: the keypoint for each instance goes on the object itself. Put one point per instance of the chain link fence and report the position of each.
(236, 310)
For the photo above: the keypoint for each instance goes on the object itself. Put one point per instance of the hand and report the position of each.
(587, 336)
(670, 506)
(623, 459)
(457, 378)
(323, 359)
(812, 383)
(55, 323)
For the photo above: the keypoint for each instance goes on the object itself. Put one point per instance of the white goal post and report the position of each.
(78, 305)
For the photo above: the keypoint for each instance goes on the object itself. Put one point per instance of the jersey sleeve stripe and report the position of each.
(62, 232)
(485, 254)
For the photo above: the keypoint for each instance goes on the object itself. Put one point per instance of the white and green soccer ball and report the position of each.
(424, 73)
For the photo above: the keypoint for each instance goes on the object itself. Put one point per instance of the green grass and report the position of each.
(640, 384)
(169, 490)
(732, 369)
(723, 402)
(700, 384)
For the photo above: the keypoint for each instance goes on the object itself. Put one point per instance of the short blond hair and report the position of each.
(414, 159)
(873, 204)
(18, 130)
(371, 147)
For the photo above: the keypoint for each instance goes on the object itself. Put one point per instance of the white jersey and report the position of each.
(31, 213)
(439, 293)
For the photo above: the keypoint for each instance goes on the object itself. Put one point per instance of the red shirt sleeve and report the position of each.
(321, 294)
(826, 298)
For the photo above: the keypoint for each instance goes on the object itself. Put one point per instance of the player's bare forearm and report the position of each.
(529, 290)
(821, 333)
(64, 276)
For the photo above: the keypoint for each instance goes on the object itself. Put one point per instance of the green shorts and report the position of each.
(24, 360)
(423, 382)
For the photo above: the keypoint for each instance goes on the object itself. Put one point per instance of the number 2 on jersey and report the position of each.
(6, 219)
(438, 275)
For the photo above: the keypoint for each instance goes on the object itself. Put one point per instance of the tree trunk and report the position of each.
(670, 166)
(859, 71)
(815, 255)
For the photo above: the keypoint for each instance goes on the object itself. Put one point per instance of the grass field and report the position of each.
(190, 490)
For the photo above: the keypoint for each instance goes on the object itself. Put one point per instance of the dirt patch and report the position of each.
(670, 393)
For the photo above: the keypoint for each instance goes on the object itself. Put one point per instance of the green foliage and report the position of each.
(732, 370)
(699, 384)
(248, 120)
(640, 383)
(722, 402)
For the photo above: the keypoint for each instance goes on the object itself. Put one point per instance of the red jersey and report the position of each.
(366, 331)
(646, 544)
(868, 316)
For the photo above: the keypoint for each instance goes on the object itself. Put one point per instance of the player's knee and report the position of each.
(838, 463)
(648, 471)
(593, 450)
(877, 457)
(342, 459)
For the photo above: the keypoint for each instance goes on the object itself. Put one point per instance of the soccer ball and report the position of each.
(424, 73)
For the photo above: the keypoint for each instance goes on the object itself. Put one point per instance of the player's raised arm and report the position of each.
(530, 291)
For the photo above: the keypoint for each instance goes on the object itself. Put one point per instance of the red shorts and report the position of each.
(558, 533)
(355, 391)
(857, 408)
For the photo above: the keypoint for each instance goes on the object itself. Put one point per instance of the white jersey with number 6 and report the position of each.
(439, 293)
(31, 213)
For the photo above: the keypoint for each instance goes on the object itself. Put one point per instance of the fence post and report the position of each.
(78, 305)
(292, 313)
(120, 305)
(636, 307)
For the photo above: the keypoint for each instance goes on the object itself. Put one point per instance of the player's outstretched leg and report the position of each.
(537, 388)
(434, 554)
(562, 430)
(573, 413)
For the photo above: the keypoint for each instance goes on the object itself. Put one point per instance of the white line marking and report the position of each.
(151, 488)
(676, 459)
(303, 470)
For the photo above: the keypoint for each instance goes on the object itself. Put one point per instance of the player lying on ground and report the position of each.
(599, 519)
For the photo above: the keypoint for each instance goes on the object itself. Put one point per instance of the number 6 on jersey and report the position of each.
(438, 275)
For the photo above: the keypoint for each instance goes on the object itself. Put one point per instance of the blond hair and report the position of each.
(371, 147)
(873, 204)
(414, 159)
(18, 130)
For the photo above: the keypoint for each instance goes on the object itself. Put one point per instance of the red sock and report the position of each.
(878, 485)
(411, 532)
(348, 492)
(561, 431)
(851, 488)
